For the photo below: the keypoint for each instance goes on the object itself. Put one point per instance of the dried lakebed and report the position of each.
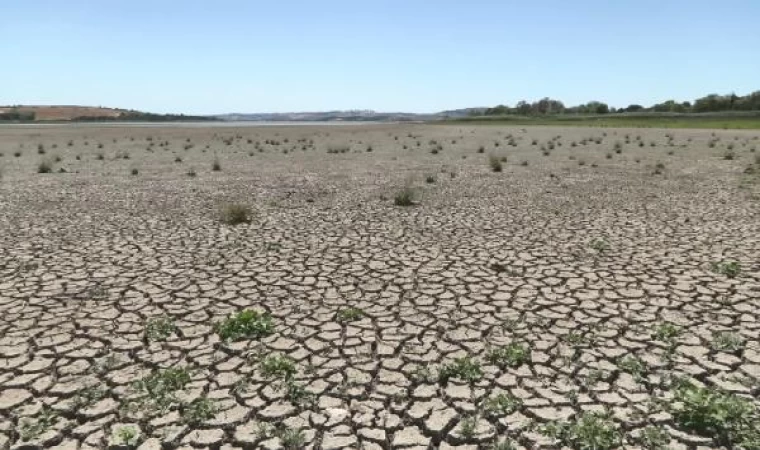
(600, 290)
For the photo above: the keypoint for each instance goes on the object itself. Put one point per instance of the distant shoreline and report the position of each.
(197, 124)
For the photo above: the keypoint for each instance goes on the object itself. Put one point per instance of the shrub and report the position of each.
(278, 366)
(501, 405)
(729, 419)
(44, 167)
(727, 341)
(134, 172)
(157, 390)
(592, 431)
(464, 369)
(199, 410)
(494, 163)
(511, 355)
(731, 269)
(159, 328)
(430, 179)
(216, 166)
(350, 315)
(245, 324)
(235, 214)
(404, 197)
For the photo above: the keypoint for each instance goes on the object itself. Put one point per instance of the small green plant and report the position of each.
(159, 328)
(731, 269)
(126, 435)
(730, 420)
(278, 367)
(292, 438)
(666, 332)
(591, 431)
(404, 197)
(467, 427)
(31, 428)
(727, 341)
(297, 394)
(512, 355)
(653, 437)
(506, 444)
(245, 324)
(495, 163)
(632, 365)
(199, 410)
(235, 214)
(464, 369)
(158, 389)
(349, 314)
(600, 245)
(501, 405)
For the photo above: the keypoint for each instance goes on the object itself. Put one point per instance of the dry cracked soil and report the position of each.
(600, 291)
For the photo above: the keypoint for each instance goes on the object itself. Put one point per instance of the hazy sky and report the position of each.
(396, 55)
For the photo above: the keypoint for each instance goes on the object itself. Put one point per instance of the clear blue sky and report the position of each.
(396, 55)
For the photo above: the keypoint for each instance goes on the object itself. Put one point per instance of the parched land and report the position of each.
(379, 287)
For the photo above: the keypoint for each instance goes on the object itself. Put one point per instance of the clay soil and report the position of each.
(577, 285)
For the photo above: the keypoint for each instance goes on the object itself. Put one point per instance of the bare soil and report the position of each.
(115, 266)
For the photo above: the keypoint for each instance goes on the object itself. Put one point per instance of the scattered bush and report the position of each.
(731, 420)
(235, 214)
(592, 431)
(278, 367)
(494, 163)
(44, 166)
(245, 324)
(511, 355)
(404, 197)
(731, 269)
(349, 315)
(464, 369)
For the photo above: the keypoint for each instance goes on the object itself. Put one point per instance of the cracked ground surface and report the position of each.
(576, 280)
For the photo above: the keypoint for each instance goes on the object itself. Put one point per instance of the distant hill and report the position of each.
(348, 116)
(85, 114)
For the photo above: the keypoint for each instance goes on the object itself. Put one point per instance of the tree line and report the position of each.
(15, 114)
(709, 103)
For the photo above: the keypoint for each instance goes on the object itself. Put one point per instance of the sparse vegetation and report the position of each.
(731, 269)
(495, 163)
(247, 323)
(235, 214)
(159, 328)
(350, 314)
(590, 431)
(199, 410)
(464, 369)
(404, 197)
(45, 166)
(278, 367)
(730, 420)
(512, 355)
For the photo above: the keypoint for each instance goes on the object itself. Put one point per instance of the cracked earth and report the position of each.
(602, 273)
